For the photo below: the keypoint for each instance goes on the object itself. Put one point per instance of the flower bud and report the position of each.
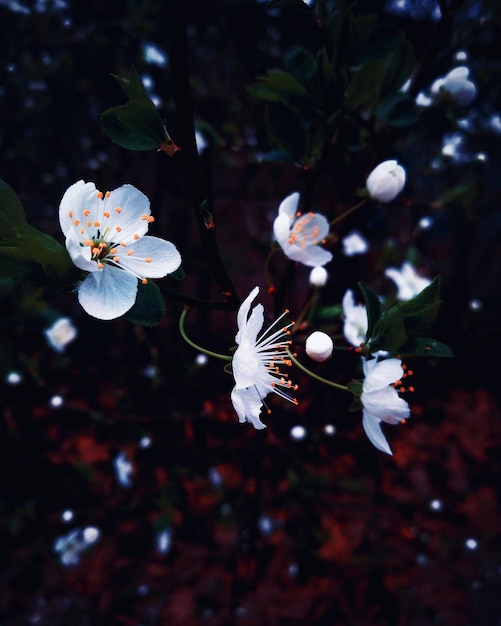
(386, 181)
(318, 276)
(319, 346)
(458, 87)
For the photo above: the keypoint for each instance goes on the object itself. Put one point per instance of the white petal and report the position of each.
(289, 205)
(134, 205)
(245, 364)
(74, 199)
(247, 404)
(382, 373)
(310, 256)
(108, 294)
(372, 427)
(282, 229)
(386, 405)
(243, 312)
(164, 256)
(80, 255)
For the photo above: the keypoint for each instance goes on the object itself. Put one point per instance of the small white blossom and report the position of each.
(386, 181)
(458, 87)
(318, 276)
(355, 320)
(319, 346)
(380, 399)
(299, 235)
(256, 362)
(409, 283)
(106, 236)
(355, 243)
(61, 333)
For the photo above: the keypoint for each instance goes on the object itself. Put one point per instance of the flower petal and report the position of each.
(75, 198)
(163, 256)
(108, 294)
(380, 374)
(247, 404)
(80, 255)
(243, 312)
(311, 256)
(134, 209)
(372, 427)
(282, 230)
(386, 405)
(289, 205)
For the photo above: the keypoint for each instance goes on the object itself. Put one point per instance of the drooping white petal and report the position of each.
(380, 374)
(75, 198)
(289, 205)
(243, 312)
(247, 404)
(311, 256)
(372, 427)
(80, 255)
(108, 294)
(386, 405)
(282, 229)
(163, 257)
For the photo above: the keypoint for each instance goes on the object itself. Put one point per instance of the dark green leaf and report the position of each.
(398, 109)
(303, 66)
(133, 86)
(178, 274)
(422, 346)
(12, 217)
(355, 387)
(149, 308)
(285, 129)
(373, 306)
(388, 332)
(360, 30)
(280, 86)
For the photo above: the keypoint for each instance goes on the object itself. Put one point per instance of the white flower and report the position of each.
(458, 87)
(105, 236)
(380, 400)
(319, 346)
(318, 276)
(355, 320)
(409, 283)
(386, 181)
(256, 363)
(355, 243)
(61, 333)
(299, 235)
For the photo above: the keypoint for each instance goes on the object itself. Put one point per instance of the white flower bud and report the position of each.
(386, 181)
(318, 276)
(319, 346)
(458, 87)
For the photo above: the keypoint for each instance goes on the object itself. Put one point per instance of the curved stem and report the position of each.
(348, 211)
(316, 376)
(223, 357)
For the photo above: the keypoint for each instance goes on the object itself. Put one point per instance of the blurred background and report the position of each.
(129, 493)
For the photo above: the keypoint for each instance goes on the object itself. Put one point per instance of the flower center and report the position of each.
(302, 233)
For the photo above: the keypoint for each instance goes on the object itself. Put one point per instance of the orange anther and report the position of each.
(97, 224)
(130, 252)
(410, 373)
(99, 195)
(76, 222)
(118, 210)
(70, 213)
(87, 242)
(151, 219)
(100, 265)
(144, 281)
(106, 214)
(411, 389)
(107, 194)
(144, 217)
(136, 237)
(96, 250)
(118, 229)
(147, 259)
(89, 223)
(86, 212)
(116, 259)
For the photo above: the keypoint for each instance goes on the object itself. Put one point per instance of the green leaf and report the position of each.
(149, 308)
(285, 129)
(12, 217)
(280, 86)
(360, 30)
(303, 66)
(178, 274)
(383, 40)
(355, 387)
(423, 346)
(388, 332)
(398, 110)
(136, 125)
(373, 306)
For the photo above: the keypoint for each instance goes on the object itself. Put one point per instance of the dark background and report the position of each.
(264, 528)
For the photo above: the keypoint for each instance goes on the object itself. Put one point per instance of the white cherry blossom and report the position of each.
(409, 283)
(61, 333)
(106, 236)
(355, 320)
(355, 243)
(257, 361)
(380, 399)
(299, 235)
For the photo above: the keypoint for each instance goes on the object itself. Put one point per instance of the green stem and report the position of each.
(315, 376)
(348, 211)
(223, 357)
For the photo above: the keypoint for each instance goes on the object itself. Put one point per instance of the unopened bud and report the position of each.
(318, 276)
(459, 87)
(319, 346)
(386, 181)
